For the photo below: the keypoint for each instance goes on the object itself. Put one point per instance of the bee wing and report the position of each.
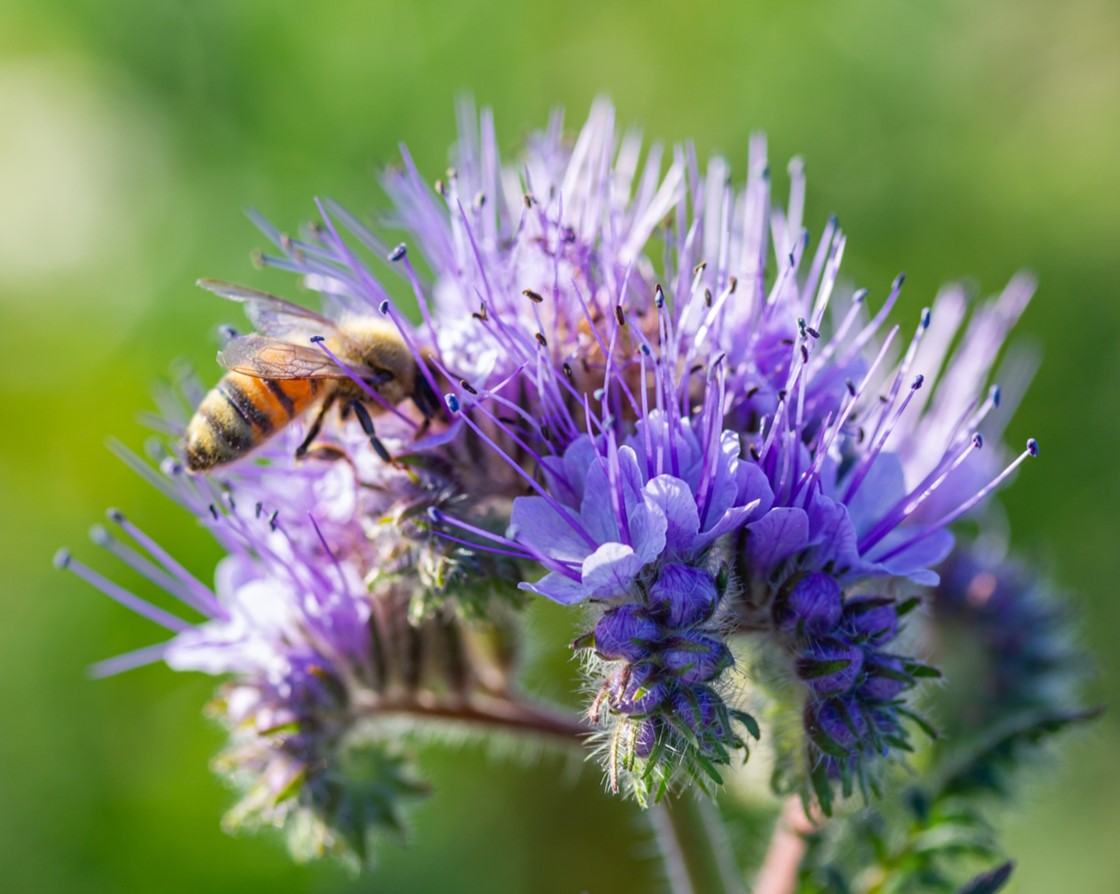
(271, 315)
(273, 358)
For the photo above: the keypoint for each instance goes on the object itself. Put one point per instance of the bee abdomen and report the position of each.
(241, 413)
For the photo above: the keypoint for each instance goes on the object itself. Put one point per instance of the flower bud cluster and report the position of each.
(294, 756)
(853, 684)
(1012, 637)
(661, 657)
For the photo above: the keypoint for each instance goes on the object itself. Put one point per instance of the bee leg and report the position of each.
(316, 426)
(366, 423)
(425, 399)
(330, 453)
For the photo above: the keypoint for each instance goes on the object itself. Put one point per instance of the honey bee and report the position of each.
(278, 373)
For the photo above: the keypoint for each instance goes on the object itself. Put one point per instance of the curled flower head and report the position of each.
(1014, 649)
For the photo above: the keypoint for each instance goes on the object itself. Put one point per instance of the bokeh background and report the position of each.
(954, 139)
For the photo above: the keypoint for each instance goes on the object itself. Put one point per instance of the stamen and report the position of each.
(864, 467)
(102, 538)
(330, 552)
(204, 599)
(320, 342)
(909, 504)
(563, 511)
(951, 516)
(118, 664)
(64, 560)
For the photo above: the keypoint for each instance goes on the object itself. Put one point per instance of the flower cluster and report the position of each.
(713, 458)
(852, 681)
(1012, 639)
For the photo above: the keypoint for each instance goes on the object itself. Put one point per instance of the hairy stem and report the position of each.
(513, 715)
(779, 871)
(693, 845)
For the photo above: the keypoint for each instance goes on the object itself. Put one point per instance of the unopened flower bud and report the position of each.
(831, 667)
(684, 596)
(871, 617)
(812, 606)
(625, 633)
(635, 689)
(696, 658)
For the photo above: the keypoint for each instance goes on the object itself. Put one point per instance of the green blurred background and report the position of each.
(955, 139)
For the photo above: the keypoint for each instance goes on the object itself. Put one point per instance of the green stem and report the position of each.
(694, 847)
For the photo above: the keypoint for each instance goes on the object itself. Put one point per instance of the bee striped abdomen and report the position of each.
(241, 413)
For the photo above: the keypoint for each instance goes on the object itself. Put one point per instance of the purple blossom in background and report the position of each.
(728, 463)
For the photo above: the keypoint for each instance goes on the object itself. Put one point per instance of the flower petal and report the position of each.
(775, 537)
(536, 522)
(678, 504)
(610, 570)
(558, 588)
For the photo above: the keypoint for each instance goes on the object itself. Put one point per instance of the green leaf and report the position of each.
(917, 669)
(811, 670)
(822, 788)
(748, 722)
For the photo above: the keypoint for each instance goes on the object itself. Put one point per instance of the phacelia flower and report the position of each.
(709, 456)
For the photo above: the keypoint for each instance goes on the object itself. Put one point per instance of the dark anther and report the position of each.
(541, 340)
(399, 252)
(567, 367)
(467, 387)
(535, 297)
(618, 315)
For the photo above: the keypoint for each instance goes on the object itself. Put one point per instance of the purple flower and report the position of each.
(657, 498)
(724, 444)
